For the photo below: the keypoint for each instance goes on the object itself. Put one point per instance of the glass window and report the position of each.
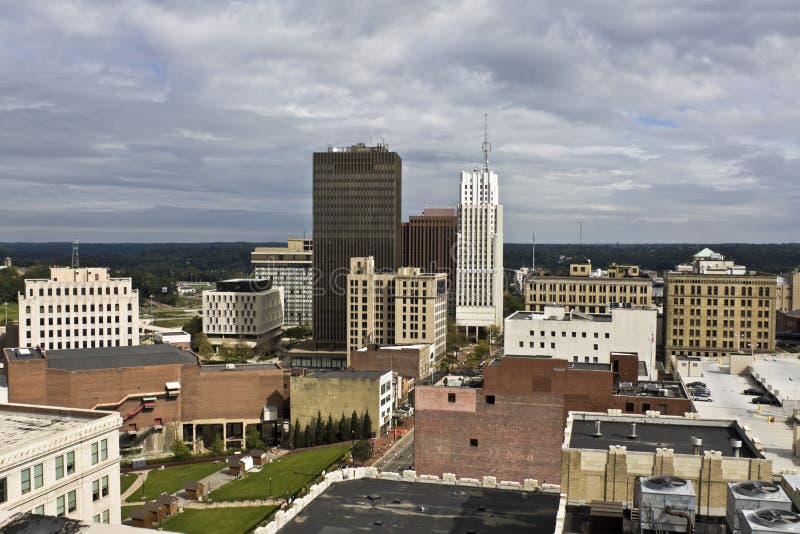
(39, 510)
(104, 486)
(60, 508)
(38, 476)
(95, 453)
(96, 518)
(70, 462)
(59, 467)
(72, 501)
(95, 490)
(104, 449)
(25, 484)
(3, 489)
(106, 516)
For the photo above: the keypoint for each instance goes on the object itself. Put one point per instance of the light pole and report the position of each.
(270, 488)
(5, 305)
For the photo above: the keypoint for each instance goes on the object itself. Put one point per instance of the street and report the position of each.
(400, 456)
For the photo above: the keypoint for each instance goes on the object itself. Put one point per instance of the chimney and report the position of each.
(696, 444)
(597, 432)
(633, 435)
(737, 445)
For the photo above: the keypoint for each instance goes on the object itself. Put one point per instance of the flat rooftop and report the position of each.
(569, 316)
(244, 285)
(345, 374)
(416, 346)
(652, 433)
(368, 505)
(106, 357)
(781, 376)
(22, 425)
(232, 367)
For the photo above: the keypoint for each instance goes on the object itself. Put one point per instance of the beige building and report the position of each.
(407, 307)
(603, 455)
(787, 297)
(291, 268)
(78, 308)
(584, 292)
(338, 393)
(717, 314)
(242, 310)
(60, 462)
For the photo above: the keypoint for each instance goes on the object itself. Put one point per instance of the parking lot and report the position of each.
(729, 403)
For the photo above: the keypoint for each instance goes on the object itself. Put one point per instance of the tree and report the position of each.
(343, 432)
(308, 436)
(478, 354)
(299, 437)
(194, 326)
(319, 430)
(180, 450)
(253, 439)
(330, 431)
(362, 451)
(201, 344)
(264, 348)
(218, 446)
(366, 431)
(356, 425)
(296, 333)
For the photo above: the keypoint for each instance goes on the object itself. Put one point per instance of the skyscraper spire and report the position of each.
(487, 146)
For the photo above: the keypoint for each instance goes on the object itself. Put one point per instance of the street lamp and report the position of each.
(5, 304)
(269, 495)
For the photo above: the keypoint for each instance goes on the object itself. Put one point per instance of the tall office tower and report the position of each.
(429, 242)
(78, 308)
(289, 267)
(479, 269)
(357, 201)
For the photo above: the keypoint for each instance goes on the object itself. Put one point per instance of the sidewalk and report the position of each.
(140, 478)
(383, 444)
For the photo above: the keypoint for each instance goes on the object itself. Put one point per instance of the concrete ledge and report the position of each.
(474, 482)
(508, 485)
(489, 482)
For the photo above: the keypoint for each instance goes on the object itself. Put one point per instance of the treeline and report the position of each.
(319, 431)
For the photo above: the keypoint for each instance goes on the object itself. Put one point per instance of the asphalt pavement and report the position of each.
(400, 456)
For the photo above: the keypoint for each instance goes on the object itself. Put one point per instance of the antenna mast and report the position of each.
(487, 146)
(533, 256)
(75, 261)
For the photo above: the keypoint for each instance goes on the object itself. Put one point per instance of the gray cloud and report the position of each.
(171, 121)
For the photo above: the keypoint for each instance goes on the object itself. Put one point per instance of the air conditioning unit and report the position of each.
(753, 495)
(666, 504)
(769, 521)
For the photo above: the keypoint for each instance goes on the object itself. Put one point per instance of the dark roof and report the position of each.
(244, 285)
(358, 505)
(669, 433)
(240, 367)
(40, 524)
(118, 357)
(165, 498)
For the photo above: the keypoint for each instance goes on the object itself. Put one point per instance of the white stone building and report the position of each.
(60, 462)
(292, 268)
(585, 337)
(242, 310)
(78, 308)
(479, 269)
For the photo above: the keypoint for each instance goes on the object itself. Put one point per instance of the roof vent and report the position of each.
(665, 481)
(633, 435)
(772, 517)
(597, 432)
(756, 488)
(374, 497)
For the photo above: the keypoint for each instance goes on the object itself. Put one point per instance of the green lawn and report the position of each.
(171, 323)
(126, 511)
(13, 313)
(125, 481)
(171, 479)
(218, 520)
(285, 480)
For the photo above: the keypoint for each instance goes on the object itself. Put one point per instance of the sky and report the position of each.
(140, 121)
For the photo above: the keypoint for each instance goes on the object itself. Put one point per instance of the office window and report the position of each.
(39, 510)
(489, 399)
(104, 486)
(72, 501)
(473, 442)
(95, 490)
(95, 453)
(25, 480)
(71, 462)
(60, 505)
(38, 476)
(103, 449)
(106, 516)
(59, 467)
(629, 407)
(451, 397)
(3, 490)
(96, 519)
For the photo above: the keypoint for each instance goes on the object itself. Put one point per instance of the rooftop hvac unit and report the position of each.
(769, 521)
(753, 495)
(666, 504)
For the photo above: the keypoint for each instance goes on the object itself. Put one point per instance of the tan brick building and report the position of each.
(580, 291)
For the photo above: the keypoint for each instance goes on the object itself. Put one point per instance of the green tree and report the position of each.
(511, 303)
(194, 326)
(362, 451)
(356, 425)
(264, 348)
(478, 354)
(180, 450)
(366, 431)
(330, 431)
(308, 436)
(296, 333)
(253, 439)
(299, 436)
(343, 431)
(201, 345)
(218, 446)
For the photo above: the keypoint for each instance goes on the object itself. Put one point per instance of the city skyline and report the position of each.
(145, 122)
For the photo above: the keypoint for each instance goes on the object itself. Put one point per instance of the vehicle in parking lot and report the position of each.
(701, 393)
(764, 400)
(703, 399)
(752, 391)
(696, 384)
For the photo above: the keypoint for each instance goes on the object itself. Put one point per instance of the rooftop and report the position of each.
(106, 357)
(22, 425)
(660, 388)
(345, 374)
(416, 346)
(394, 506)
(239, 367)
(244, 285)
(658, 432)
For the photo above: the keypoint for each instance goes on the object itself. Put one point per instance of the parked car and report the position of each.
(763, 400)
(752, 391)
(701, 393)
(696, 384)
(702, 399)
(704, 390)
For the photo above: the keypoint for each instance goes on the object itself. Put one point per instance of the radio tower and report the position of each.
(487, 146)
(75, 261)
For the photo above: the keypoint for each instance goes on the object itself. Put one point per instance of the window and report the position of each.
(104, 486)
(489, 399)
(60, 507)
(95, 490)
(451, 397)
(25, 480)
(96, 519)
(629, 407)
(38, 476)
(3, 490)
(71, 462)
(39, 510)
(104, 449)
(72, 501)
(59, 467)
(473, 442)
(105, 517)
(95, 453)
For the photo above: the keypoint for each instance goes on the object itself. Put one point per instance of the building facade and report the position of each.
(479, 265)
(290, 268)
(357, 193)
(429, 242)
(406, 307)
(408, 361)
(60, 462)
(713, 315)
(78, 308)
(582, 292)
(585, 338)
(242, 310)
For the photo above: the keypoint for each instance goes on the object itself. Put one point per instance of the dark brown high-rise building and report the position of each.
(429, 242)
(357, 203)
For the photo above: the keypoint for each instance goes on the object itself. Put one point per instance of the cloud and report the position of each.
(170, 121)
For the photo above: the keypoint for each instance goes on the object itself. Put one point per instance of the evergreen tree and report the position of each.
(308, 436)
(356, 425)
(320, 430)
(298, 441)
(330, 431)
(366, 433)
(343, 430)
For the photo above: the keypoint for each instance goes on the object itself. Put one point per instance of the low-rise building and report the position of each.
(340, 393)
(291, 268)
(687, 366)
(242, 311)
(60, 462)
(409, 361)
(583, 337)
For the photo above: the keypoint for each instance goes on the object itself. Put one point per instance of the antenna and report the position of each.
(487, 146)
(75, 261)
(580, 232)
(533, 255)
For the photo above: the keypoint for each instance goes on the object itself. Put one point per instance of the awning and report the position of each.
(173, 385)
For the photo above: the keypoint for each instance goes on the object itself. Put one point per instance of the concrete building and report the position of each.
(509, 422)
(709, 262)
(710, 314)
(162, 392)
(78, 308)
(290, 268)
(357, 201)
(338, 393)
(429, 242)
(787, 297)
(403, 308)
(479, 267)
(242, 310)
(710, 453)
(583, 292)
(584, 337)
(60, 462)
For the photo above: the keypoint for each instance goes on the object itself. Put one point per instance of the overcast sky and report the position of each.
(196, 121)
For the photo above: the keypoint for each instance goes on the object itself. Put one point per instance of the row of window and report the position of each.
(74, 309)
(76, 321)
(83, 291)
(574, 334)
(728, 291)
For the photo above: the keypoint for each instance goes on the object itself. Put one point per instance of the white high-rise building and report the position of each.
(479, 270)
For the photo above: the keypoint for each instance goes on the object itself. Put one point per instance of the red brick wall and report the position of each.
(404, 362)
(627, 365)
(232, 394)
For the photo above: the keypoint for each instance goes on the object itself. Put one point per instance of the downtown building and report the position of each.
(242, 311)
(479, 268)
(357, 193)
(290, 268)
(78, 308)
(429, 242)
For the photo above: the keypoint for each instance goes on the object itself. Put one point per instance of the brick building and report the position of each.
(429, 242)
(161, 391)
(509, 423)
(409, 361)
